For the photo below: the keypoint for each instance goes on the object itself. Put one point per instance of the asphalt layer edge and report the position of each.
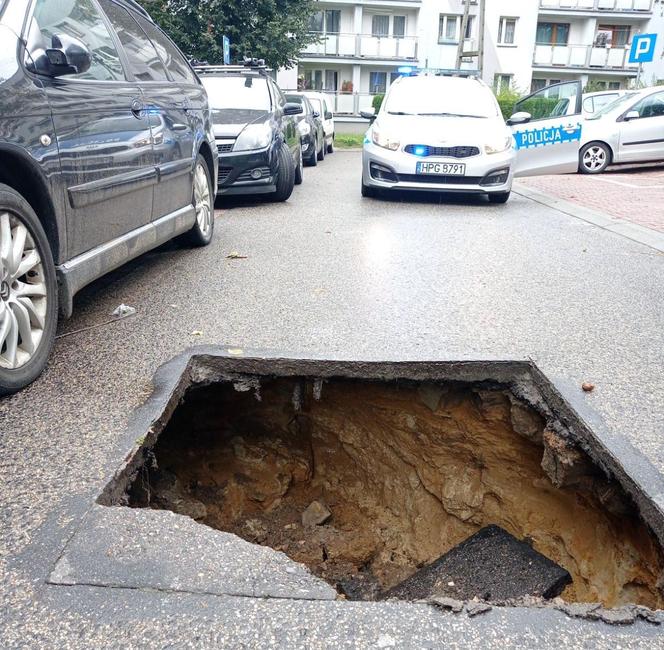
(635, 232)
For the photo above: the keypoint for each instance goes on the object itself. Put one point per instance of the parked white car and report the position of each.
(593, 102)
(323, 105)
(447, 134)
(629, 130)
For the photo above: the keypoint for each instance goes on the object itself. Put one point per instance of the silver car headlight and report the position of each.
(498, 145)
(384, 140)
(254, 136)
(304, 128)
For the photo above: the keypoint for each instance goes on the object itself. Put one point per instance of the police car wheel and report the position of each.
(594, 158)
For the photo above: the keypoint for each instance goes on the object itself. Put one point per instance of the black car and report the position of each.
(312, 134)
(106, 151)
(255, 129)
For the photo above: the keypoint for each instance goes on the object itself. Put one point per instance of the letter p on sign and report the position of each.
(643, 48)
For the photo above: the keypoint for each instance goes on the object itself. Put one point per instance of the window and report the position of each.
(144, 62)
(470, 27)
(612, 35)
(248, 93)
(316, 22)
(448, 29)
(538, 84)
(613, 85)
(79, 19)
(550, 102)
(377, 82)
(506, 31)
(502, 82)
(331, 77)
(313, 79)
(652, 106)
(552, 33)
(170, 55)
(399, 26)
(332, 21)
(380, 25)
(394, 76)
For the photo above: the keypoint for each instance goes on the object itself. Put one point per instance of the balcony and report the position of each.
(614, 59)
(350, 103)
(598, 6)
(363, 46)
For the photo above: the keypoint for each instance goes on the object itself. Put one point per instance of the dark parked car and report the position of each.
(255, 129)
(312, 134)
(106, 151)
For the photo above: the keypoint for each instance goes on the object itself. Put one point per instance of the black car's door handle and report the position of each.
(179, 127)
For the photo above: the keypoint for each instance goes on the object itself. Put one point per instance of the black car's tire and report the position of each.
(299, 172)
(312, 160)
(330, 147)
(499, 197)
(594, 158)
(38, 295)
(285, 174)
(320, 154)
(203, 202)
(369, 192)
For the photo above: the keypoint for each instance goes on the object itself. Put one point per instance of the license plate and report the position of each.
(441, 169)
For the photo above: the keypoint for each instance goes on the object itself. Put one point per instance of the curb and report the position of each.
(640, 234)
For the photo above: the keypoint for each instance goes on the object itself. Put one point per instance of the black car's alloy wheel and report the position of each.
(321, 152)
(299, 170)
(203, 202)
(28, 293)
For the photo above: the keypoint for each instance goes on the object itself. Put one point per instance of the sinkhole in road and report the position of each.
(399, 473)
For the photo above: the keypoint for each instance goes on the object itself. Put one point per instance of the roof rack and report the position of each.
(249, 65)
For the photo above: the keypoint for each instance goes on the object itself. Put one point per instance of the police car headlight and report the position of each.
(383, 140)
(254, 136)
(304, 128)
(499, 145)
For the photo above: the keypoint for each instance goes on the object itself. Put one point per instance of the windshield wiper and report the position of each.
(479, 117)
(399, 113)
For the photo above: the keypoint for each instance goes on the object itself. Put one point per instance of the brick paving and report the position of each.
(635, 193)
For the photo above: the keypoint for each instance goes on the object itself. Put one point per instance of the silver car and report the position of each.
(629, 130)
(447, 134)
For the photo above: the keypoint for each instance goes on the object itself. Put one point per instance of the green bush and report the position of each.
(506, 100)
(377, 102)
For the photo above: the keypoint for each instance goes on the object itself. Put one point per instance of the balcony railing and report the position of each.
(599, 5)
(583, 56)
(364, 45)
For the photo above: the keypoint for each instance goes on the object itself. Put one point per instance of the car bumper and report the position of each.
(485, 173)
(247, 172)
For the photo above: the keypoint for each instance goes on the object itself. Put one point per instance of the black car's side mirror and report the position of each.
(67, 55)
(328, 115)
(292, 108)
(316, 114)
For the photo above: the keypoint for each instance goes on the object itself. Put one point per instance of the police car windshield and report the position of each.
(611, 106)
(239, 92)
(441, 96)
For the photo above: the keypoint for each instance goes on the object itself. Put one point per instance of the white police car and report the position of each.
(447, 134)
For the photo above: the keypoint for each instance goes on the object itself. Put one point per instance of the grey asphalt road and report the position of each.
(331, 274)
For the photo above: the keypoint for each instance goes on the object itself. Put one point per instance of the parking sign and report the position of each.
(643, 48)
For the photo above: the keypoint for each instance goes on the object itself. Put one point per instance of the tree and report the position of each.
(274, 30)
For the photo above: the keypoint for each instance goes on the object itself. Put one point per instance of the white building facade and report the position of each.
(527, 44)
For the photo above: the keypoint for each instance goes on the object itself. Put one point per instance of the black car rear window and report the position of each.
(243, 92)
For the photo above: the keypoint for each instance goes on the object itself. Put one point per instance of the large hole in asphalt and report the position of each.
(398, 474)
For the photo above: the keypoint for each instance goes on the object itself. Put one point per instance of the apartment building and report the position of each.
(363, 44)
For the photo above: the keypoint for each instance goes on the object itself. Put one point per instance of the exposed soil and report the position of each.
(407, 472)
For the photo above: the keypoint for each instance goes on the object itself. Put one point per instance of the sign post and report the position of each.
(227, 50)
(643, 51)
